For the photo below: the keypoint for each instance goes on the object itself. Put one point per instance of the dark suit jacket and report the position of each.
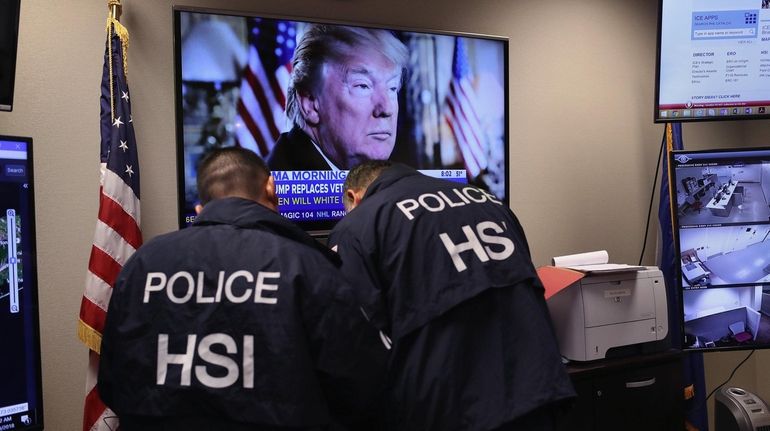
(294, 151)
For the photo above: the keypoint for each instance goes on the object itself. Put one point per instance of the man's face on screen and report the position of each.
(357, 108)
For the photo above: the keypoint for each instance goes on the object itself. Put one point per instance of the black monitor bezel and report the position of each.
(32, 260)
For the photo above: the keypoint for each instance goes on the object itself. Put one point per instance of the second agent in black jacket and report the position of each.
(444, 271)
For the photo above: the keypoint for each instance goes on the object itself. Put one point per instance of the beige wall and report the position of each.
(583, 146)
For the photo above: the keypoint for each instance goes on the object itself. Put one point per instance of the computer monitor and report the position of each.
(21, 397)
(448, 114)
(721, 205)
(712, 61)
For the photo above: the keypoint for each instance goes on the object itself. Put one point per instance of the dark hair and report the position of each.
(322, 43)
(231, 171)
(362, 175)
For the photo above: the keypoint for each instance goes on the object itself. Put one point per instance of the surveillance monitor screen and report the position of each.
(722, 217)
(713, 60)
(20, 385)
(315, 99)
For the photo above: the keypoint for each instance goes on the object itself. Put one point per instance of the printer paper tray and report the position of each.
(599, 339)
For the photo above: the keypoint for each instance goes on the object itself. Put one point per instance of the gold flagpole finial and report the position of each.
(115, 8)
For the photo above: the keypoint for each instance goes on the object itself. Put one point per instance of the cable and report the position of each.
(652, 196)
(731, 376)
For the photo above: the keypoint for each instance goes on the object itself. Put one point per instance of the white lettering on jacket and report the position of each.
(240, 286)
(479, 242)
(439, 201)
(195, 362)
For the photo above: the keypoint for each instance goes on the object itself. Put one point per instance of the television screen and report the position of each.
(9, 36)
(21, 398)
(713, 60)
(722, 232)
(313, 99)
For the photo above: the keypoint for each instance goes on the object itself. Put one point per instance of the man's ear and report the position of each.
(198, 209)
(309, 106)
(354, 196)
(269, 197)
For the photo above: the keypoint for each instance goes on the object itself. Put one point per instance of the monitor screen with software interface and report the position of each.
(713, 60)
(444, 111)
(722, 232)
(21, 398)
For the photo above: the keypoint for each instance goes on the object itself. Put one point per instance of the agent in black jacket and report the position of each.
(239, 322)
(444, 271)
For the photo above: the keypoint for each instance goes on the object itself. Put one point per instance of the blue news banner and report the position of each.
(317, 195)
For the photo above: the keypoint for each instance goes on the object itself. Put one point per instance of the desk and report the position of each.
(639, 393)
(748, 265)
(723, 206)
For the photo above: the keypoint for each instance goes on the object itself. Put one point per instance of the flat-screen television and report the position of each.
(721, 206)
(21, 397)
(713, 60)
(314, 98)
(9, 37)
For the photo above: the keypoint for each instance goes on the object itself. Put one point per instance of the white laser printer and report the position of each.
(617, 312)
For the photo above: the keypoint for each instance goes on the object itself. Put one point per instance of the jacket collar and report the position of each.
(247, 214)
(389, 176)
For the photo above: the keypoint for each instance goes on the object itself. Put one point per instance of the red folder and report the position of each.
(555, 279)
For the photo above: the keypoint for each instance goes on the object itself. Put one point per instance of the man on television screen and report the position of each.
(445, 272)
(239, 322)
(342, 99)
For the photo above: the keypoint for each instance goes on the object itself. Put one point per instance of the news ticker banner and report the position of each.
(317, 195)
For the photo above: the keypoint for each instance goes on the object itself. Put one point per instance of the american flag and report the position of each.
(261, 117)
(117, 228)
(461, 114)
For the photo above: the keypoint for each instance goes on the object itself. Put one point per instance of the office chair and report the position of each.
(696, 206)
(739, 333)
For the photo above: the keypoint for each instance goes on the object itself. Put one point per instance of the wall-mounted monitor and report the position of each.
(713, 60)
(21, 397)
(9, 37)
(722, 229)
(434, 101)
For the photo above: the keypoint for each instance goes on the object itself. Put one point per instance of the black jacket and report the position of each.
(294, 151)
(257, 330)
(445, 270)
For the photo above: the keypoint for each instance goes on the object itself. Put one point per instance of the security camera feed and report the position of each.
(315, 99)
(722, 216)
(713, 60)
(20, 392)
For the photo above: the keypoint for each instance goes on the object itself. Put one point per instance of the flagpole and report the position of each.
(115, 8)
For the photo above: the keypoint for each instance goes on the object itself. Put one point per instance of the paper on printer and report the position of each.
(592, 261)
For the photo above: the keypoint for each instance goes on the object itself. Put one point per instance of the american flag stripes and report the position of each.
(117, 233)
(261, 117)
(462, 115)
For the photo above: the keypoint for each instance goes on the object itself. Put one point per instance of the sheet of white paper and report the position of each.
(589, 258)
(606, 267)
